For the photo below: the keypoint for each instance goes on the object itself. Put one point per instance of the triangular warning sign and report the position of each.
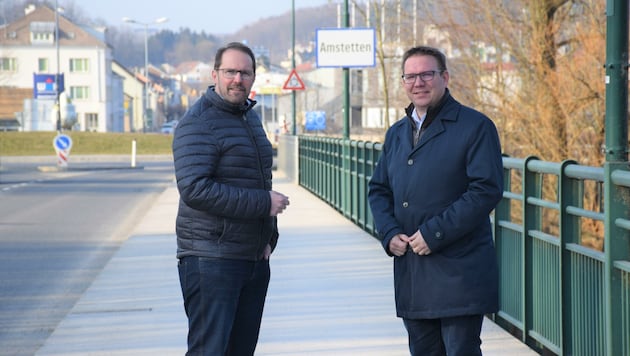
(293, 82)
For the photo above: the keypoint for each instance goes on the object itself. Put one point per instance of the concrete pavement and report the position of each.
(331, 292)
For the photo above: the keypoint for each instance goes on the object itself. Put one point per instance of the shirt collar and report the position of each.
(418, 119)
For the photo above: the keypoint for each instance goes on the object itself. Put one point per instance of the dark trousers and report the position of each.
(456, 336)
(224, 302)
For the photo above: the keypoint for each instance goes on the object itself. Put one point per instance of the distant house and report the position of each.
(194, 72)
(133, 90)
(11, 107)
(93, 95)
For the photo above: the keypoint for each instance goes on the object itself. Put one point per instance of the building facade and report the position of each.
(133, 90)
(43, 42)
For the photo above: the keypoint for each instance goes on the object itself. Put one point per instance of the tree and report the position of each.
(394, 34)
(535, 67)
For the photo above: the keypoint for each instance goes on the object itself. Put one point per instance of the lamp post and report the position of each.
(293, 99)
(145, 102)
(57, 103)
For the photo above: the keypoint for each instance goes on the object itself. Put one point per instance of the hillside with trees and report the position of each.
(273, 34)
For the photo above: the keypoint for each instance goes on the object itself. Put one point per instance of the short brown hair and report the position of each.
(426, 51)
(237, 46)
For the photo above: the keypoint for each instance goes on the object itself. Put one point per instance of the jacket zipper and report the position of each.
(262, 177)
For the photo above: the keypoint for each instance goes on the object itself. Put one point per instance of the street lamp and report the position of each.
(58, 121)
(145, 102)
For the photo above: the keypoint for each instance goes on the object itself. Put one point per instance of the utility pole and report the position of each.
(57, 93)
(145, 101)
(616, 149)
(346, 83)
(293, 96)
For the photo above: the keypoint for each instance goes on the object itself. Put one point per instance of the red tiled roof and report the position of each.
(18, 33)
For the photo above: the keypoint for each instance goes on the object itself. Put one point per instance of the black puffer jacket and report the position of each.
(223, 165)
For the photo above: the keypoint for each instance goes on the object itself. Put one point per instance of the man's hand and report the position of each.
(267, 252)
(418, 245)
(279, 202)
(398, 244)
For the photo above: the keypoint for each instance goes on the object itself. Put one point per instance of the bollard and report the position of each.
(133, 154)
(62, 144)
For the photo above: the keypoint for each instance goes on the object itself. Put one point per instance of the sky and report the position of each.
(212, 16)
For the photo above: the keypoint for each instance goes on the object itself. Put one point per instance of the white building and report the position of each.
(133, 96)
(33, 45)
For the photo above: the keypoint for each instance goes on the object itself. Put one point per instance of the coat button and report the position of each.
(405, 204)
(438, 235)
(410, 162)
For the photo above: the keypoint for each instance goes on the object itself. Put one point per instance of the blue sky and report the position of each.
(212, 16)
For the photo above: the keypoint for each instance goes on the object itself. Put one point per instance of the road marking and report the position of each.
(20, 185)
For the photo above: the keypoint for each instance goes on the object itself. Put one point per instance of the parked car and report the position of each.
(169, 127)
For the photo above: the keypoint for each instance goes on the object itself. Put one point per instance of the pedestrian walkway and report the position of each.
(331, 292)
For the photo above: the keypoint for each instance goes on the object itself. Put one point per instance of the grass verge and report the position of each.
(84, 143)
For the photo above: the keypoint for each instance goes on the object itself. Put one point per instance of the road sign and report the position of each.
(293, 82)
(62, 144)
(46, 85)
(315, 121)
(346, 47)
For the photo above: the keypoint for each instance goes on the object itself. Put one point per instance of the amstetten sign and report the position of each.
(346, 47)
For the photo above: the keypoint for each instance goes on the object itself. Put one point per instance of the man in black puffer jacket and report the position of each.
(226, 223)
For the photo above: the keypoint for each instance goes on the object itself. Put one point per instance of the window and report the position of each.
(41, 38)
(8, 64)
(91, 121)
(356, 81)
(80, 93)
(42, 65)
(79, 65)
(42, 32)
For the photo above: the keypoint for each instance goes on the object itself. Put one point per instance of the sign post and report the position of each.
(62, 144)
(293, 83)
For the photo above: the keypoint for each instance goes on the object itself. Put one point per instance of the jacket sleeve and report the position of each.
(484, 169)
(196, 154)
(381, 200)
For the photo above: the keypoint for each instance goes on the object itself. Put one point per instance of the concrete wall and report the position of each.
(288, 157)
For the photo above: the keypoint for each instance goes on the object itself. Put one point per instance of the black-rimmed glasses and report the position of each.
(427, 76)
(231, 73)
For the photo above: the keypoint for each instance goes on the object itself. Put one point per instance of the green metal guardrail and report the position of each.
(555, 293)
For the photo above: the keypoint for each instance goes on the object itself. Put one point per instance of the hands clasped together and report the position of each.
(401, 242)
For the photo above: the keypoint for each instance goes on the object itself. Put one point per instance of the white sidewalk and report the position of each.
(331, 292)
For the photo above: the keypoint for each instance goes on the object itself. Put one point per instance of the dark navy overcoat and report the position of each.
(446, 187)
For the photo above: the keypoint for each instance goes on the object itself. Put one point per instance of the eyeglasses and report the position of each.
(231, 73)
(424, 76)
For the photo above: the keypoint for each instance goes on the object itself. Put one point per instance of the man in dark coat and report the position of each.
(437, 180)
(226, 223)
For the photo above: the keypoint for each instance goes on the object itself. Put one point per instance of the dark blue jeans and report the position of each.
(456, 336)
(224, 302)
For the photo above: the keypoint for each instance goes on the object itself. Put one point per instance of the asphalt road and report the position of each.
(58, 229)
